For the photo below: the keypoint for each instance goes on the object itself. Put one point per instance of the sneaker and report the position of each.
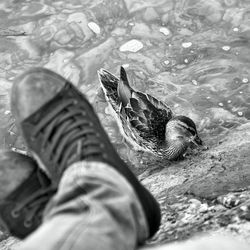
(25, 191)
(61, 127)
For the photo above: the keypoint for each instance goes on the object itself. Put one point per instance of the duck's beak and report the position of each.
(197, 141)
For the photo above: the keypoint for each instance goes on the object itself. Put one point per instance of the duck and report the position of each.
(146, 123)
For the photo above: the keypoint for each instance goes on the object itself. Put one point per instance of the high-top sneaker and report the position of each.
(61, 127)
(24, 192)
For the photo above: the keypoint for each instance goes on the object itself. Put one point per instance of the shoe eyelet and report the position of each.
(91, 124)
(75, 102)
(27, 223)
(84, 113)
(102, 146)
(15, 213)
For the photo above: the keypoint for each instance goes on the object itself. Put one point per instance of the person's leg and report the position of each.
(24, 192)
(63, 133)
(95, 208)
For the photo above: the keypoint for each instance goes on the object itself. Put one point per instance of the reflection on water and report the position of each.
(192, 54)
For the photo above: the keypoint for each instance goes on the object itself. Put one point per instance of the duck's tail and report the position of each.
(109, 84)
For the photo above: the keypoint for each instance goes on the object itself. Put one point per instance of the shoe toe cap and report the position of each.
(32, 90)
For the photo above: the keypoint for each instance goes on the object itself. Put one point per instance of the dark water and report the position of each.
(192, 54)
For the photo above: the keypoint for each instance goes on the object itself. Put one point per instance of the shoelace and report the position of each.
(33, 204)
(68, 134)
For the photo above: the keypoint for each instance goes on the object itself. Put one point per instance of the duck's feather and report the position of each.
(143, 117)
(124, 91)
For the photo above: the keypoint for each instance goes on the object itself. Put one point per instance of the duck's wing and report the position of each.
(146, 114)
(147, 117)
(109, 84)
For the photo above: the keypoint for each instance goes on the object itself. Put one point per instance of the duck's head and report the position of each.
(183, 129)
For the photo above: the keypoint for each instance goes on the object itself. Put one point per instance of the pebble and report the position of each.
(196, 83)
(166, 62)
(235, 29)
(226, 48)
(245, 80)
(221, 104)
(150, 14)
(229, 101)
(185, 60)
(186, 45)
(244, 208)
(203, 208)
(94, 27)
(126, 65)
(195, 201)
(132, 46)
(164, 31)
(7, 112)
(240, 113)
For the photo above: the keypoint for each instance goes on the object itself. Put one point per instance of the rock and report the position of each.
(79, 19)
(63, 37)
(143, 31)
(131, 46)
(93, 59)
(150, 14)
(118, 31)
(137, 5)
(106, 11)
(186, 44)
(94, 27)
(211, 10)
(165, 31)
(60, 62)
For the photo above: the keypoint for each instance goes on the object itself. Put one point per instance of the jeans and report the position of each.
(94, 208)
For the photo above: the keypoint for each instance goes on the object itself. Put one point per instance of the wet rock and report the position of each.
(143, 31)
(211, 10)
(80, 20)
(60, 62)
(165, 31)
(63, 37)
(131, 46)
(94, 27)
(165, 18)
(118, 31)
(229, 200)
(107, 11)
(230, 2)
(185, 32)
(37, 8)
(186, 44)
(234, 15)
(136, 5)
(93, 59)
(150, 14)
(149, 62)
